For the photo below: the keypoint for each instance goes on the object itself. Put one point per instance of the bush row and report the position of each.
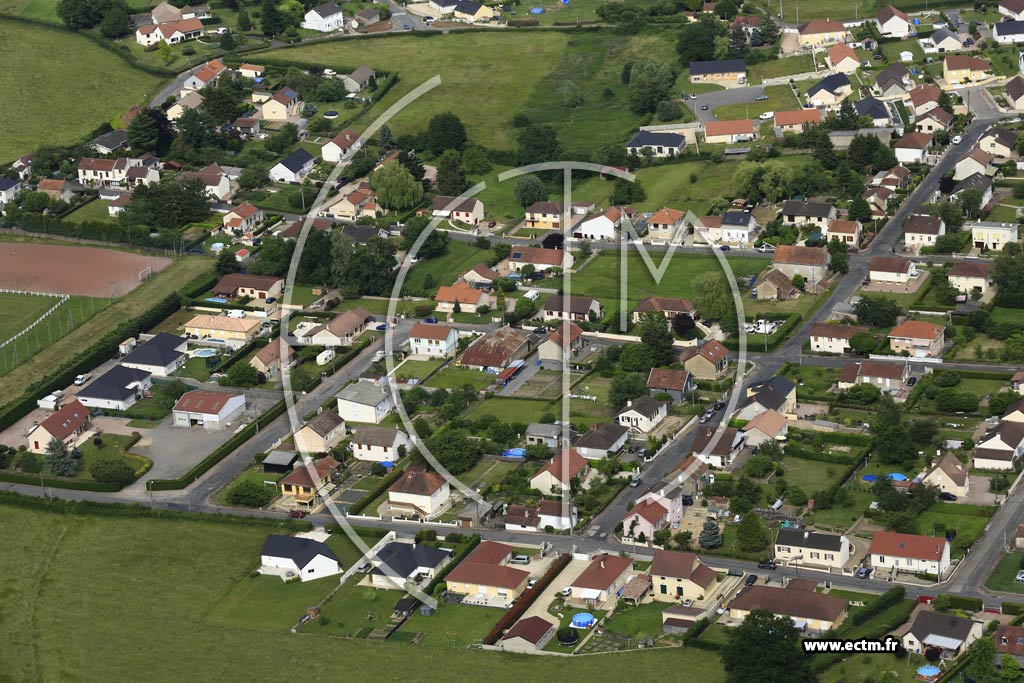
(204, 465)
(526, 600)
(52, 482)
(372, 494)
(471, 542)
(965, 603)
(879, 605)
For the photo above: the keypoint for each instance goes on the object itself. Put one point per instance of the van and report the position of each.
(532, 295)
(235, 313)
(520, 559)
(363, 567)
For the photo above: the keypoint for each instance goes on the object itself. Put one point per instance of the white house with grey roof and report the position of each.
(324, 18)
(117, 389)
(658, 145)
(544, 434)
(379, 444)
(160, 356)
(738, 227)
(364, 401)
(642, 414)
(397, 563)
(950, 634)
(297, 556)
(802, 547)
(294, 167)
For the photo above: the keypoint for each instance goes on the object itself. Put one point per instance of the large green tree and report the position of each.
(710, 535)
(657, 338)
(714, 299)
(116, 22)
(395, 186)
(169, 204)
(149, 131)
(529, 189)
(626, 386)
(451, 180)
(445, 131)
(360, 269)
(59, 460)
(877, 311)
(766, 649)
(538, 143)
(649, 84)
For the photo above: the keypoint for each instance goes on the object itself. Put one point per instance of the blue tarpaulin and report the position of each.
(870, 477)
(536, 10)
(514, 453)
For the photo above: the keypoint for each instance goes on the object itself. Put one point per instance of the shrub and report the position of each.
(112, 470)
(29, 463)
(251, 494)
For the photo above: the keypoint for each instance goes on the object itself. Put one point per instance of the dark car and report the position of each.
(767, 564)
(945, 495)
(298, 514)
(761, 98)
(195, 252)
(950, 535)
(863, 572)
(430, 320)
(687, 500)
(912, 381)
(540, 330)
(751, 580)
(703, 107)
(719, 405)
(724, 247)
(382, 327)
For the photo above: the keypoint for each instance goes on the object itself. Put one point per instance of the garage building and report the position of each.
(207, 409)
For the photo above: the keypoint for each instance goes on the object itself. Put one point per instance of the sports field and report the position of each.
(63, 269)
(129, 597)
(59, 86)
(18, 311)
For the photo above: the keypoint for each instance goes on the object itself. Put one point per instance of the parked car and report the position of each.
(703, 107)
(81, 379)
(297, 514)
(767, 564)
(767, 115)
(719, 405)
(761, 98)
(635, 482)
(1020, 577)
(911, 381)
(687, 500)
(863, 572)
(945, 495)
(567, 591)
(957, 139)
(382, 327)
(724, 247)
(531, 583)
(751, 580)
(706, 416)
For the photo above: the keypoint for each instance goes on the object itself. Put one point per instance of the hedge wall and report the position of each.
(780, 336)
(372, 494)
(75, 484)
(204, 465)
(471, 543)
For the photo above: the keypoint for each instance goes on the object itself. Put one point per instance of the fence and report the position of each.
(62, 299)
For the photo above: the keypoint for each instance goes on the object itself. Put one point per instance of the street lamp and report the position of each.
(14, 269)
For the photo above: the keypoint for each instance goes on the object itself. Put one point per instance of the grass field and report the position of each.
(456, 378)
(444, 269)
(95, 210)
(18, 311)
(787, 66)
(64, 73)
(487, 77)
(418, 369)
(61, 606)
(514, 409)
(174, 277)
(453, 626)
(1002, 577)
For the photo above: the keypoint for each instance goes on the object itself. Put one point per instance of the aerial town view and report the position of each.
(452, 340)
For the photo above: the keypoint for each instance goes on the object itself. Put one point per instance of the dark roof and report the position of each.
(468, 6)
(812, 209)
(928, 623)
(602, 436)
(736, 218)
(114, 139)
(722, 447)
(325, 421)
(682, 565)
(809, 539)
(975, 181)
(645, 405)
(296, 160)
(579, 305)
(495, 349)
(404, 558)
(647, 138)
(159, 351)
(800, 604)
(718, 66)
(830, 84)
(923, 224)
(892, 73)
(6, 183)
(301, 551)
(1015, 88)
(375, 436)
(1009, 28)
(869, 106)
(530, 629)
(327, 9)
(112, 385)
(944, 33)
(771, 394)
(360, 234)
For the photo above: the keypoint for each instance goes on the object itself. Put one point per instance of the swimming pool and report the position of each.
(204, 353)
(216, 300)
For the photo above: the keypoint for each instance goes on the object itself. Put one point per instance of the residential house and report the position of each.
(918, 338)
(364, 401)
(708, 230)
(923, 99)
(811, 263)
(481, 276)
(874, 108)
(471, 11)
(948, 633)
(1015, 93)
(398, 564)
(718, 70)
(665, 306)
(680, 576)
(1000, 447)
(819, 32)
(893, 81)
(1000, 142)
(708, 360)
(22, 166)
(359, 79)
(795, 120)
(913, 147)
(468, 210)
(56, 189)
(368, 16)
(112, 141)
(666, 224)
(891, 270)
(659, 145)
(778, 394)
(294, 167)
(878, 198)
(243, 219)
(342, 330)
(830, 91)
(565, 342)
(379, 444)
(602, 439)
(1008, 32)
(281, 106)
(833, 337)
(443, 6)
(806, 548)
(434, 341)
(889, 377)
(572, 308)
(847, 232)
(934, 120)
(530, 634)
(216, 182)
(259, 287)
(949, 475)
(960, 69)
(545, 215)
(324, 18)
(486, 578)
(739, 227)
(541, 259)
(114, 172)
(1014, 9)
(117, 389)
(770, 425)
(207, 409)
(269, 360)
(727, 132)
(321, 434)
(909, 553)
(970, 276)
(160, 356)
(817, 214)
(170, 32)
(843, 59)
(337, 147)
(543, 434)
(975, 181)
(921, 230)
(252, 71)
(646, 516)
(496, 350)
(547, 513)
(556, 475)
(986, 235)
(234, 332)
(204, 76)
(66, 425)
(718, 447)
(1009, 639)
(360, 203)
(309, 483)
(190, 101)
(810, 611)
(600, 582)
(942, 41)
(774, 285)
(418, 492)
(296, 556)
(892, 22)
(642, 414)
(8, 190)
(602, 227)
(463, 296)
(976, 160)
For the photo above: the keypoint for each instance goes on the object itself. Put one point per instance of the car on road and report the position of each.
(635, 482)
(766, 247)
(1020, 577)
(703, 107)
(81, 379)
(761, 98)
(540, 330)
(706, 416)
(719, 405)
(297, 514)
(428, 20)
(430, 320)
(957, 139)
(767, 116)
(382, 327)
(767, 564)
(724, 247)
(751, 580)
(406, 27)
(531, 583)
(947, 496)
(863, 572)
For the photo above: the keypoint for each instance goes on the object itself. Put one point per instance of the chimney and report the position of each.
(807, 534)
(602, 563)
(629, 403)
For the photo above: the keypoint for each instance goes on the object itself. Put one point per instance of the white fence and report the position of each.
(61, 299)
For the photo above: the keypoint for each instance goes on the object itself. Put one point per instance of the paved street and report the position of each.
(720, 98)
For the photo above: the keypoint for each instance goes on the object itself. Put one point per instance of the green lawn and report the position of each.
(418, 369)
(446, 268)
(196, 368)
(1002, 577)
(455, 378)
(514, 409)
(452, 626)
(63, 72)
(1003, 214)
(18, 311)
(44, 10)
(111, 445)
(811, 475)
(95, 210)
(812, 381)
(786, 66)
(302, 295)
(486, 472)
(641, 621)
(968, 520)
(892, 50)
(780, 98)
(254, 473)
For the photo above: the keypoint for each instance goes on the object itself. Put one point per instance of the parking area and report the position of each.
(720, 98)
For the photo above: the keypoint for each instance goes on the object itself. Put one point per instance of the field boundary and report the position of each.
(64, 298)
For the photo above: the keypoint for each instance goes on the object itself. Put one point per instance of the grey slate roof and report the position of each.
(301, 551)
(404, 558)
(296, 160)
(830, 84)
(870, 106)
(648, 138)
(112, 385)
(159, 351)
(718, 66)
(809, 539)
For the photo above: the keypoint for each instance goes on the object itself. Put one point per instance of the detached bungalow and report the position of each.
(718, 70)
(821, 32)
(334, 149)
(486, 578)
(642, 414)
(830, 91)
(889, 377)
(675, 383)
(293, 168)
(920, 339)
(949, 475)
(922, 230)
(658, 145)
(666, 306)
(117, 389)
(727, 132)
(462, 294)
(601, 440)
(724, 449)
(295, 556)
(810, 611)
(794, 121)
(556, 475)
(268, 360)
(496, 350)
(959, 69)
(767, 426)
(321, 434)
(601, 581)
(572, 308)
(602, 227)
(541, 259)
(909, 553)
(948, 633)
(1015, 93)
(891, 270)
(234, 332)
(843, 59)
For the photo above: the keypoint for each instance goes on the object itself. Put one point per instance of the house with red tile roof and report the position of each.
(560, 471)
(418, 493)
(918, 338)
(909, 553)
(66, 425)
(598, 584)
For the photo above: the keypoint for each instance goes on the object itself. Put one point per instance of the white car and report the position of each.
(81, 379)
(957, 139)
(428, 20)
(768, 115)
(1020, 577)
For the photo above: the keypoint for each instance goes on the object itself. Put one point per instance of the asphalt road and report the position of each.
(720, 98)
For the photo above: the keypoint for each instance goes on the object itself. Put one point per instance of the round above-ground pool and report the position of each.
(204, 353)
(568, 636)
(330, 115)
